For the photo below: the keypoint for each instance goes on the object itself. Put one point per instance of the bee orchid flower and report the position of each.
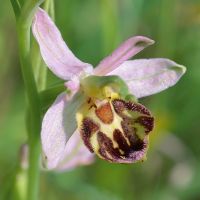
(101, 113)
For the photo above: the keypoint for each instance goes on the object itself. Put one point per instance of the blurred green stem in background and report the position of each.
(167, 28)
(24, 14)
(137, 6)
(109, 22)
(133, 8)
(23, 29)
(111, 14)
(16, 7)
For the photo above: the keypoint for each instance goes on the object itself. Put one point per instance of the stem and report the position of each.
(47, 97)
(52, 10)
(23, 30)
(36, 63)
(34, 108)
(49, 7)
(16, 7)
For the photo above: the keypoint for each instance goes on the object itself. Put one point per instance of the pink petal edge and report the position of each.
(126, 50)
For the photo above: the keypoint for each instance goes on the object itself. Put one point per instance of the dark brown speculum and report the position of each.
(117, 130)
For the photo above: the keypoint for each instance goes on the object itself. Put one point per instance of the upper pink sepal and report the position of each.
(125, 51)
(57, 56)
(145, 77)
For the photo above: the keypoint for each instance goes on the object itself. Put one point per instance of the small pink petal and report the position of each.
(149, 76)
(58, 125)
(73, 85)
(75, 154)
(58, 57)
(53, 134)
(126, 50)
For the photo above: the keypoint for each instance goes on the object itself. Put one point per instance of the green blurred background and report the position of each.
(92, 29)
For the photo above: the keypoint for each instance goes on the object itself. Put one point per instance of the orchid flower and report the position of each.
(100, 114)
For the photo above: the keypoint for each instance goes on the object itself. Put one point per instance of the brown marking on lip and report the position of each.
(119, 105)
(88, 128)
(130, 154)
(104, 113)
(137, 107)
(121, 141)
(147, 122)
(145, 119)
(92, 106)
(131, 134)
(106, 146)
(89, 100)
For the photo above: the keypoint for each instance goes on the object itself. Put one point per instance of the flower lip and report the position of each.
(121, 139)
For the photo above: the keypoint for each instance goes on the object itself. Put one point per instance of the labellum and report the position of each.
(114, 128)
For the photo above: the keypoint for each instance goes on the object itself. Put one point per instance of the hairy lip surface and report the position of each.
(117, 130)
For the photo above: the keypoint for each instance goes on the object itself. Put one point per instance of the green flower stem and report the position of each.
(23, 30)
(49, 7)
(34, 108)
(52, 10)
(48, 96)
(37, 64)
(16, 7)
